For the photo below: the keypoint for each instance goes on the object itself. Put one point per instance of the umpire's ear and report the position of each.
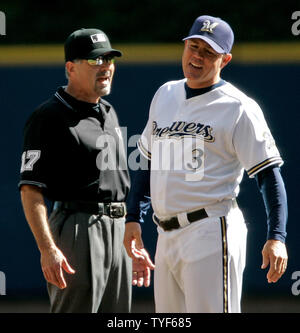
(70, 67)
(226, 58)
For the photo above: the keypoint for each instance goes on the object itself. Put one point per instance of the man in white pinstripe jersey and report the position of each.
(216, 132)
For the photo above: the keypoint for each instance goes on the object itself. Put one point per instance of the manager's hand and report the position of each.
(141, 273)
(274, 253)
(141, 262)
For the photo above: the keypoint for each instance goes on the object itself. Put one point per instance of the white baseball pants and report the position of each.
(199, 268)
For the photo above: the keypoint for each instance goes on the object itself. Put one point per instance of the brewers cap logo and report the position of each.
(208, 27)
(98, 38)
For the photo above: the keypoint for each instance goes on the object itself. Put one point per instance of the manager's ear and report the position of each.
(226, 59)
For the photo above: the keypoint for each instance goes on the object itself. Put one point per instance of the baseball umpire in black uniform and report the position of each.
(74, 155)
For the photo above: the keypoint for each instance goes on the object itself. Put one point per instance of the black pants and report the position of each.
(94, 248)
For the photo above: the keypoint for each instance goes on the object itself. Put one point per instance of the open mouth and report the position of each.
(105, 80)
(194, 65)
(103, 77)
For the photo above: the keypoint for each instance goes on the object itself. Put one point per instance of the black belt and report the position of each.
(111, 209)
(173, 222)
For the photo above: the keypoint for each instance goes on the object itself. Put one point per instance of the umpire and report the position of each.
(74, 156)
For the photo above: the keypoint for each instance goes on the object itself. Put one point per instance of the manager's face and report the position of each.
(201, 64)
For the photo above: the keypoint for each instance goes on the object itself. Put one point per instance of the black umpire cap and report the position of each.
(88, 44)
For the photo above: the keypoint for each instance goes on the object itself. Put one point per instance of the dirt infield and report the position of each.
(255, 304)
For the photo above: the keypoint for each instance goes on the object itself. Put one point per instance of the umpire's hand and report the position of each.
(53, 264)
(274, 254)
(53, 261)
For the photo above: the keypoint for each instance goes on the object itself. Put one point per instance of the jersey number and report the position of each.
(196, 165)
(197, 158)
(29, 158)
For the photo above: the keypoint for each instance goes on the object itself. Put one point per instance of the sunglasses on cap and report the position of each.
(108, 58)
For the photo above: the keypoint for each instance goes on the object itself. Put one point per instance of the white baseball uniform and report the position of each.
(199, 148)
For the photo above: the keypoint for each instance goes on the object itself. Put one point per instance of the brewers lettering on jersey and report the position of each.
(182, 129)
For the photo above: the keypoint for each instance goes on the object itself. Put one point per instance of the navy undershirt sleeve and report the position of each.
(139, 201)
(272, 188)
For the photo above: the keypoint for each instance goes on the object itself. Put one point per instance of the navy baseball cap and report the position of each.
(88, 44)
(216, 32)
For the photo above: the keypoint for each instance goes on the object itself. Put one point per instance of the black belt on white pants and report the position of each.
(197, 215)
(173, 222)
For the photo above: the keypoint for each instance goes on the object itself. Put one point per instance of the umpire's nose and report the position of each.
(106, 66)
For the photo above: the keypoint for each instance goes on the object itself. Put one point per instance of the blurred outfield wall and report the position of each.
(28, 75)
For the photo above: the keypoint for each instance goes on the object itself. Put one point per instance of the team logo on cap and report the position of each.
(98, 38)
(208, 27)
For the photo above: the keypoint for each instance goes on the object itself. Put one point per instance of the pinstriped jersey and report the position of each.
(201, 146)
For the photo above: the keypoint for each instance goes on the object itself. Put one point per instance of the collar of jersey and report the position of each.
(190, 92)
(75, 104)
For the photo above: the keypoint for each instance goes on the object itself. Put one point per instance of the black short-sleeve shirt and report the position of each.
(75, 150)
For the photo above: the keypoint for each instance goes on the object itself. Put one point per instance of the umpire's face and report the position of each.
(201, 64)
(90, 81)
